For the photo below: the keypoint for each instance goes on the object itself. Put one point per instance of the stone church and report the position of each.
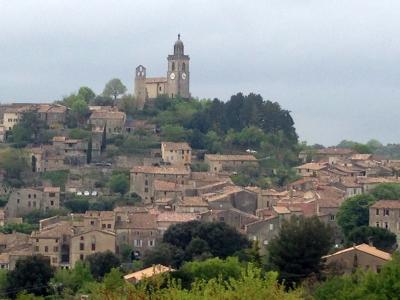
(176, 84)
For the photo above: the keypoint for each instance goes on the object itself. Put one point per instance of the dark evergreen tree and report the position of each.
(296, 252)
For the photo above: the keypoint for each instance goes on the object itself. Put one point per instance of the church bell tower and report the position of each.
(178, 72)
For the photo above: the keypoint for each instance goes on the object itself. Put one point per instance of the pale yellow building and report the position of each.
(176, 153)
(218, 163)
(90, 242)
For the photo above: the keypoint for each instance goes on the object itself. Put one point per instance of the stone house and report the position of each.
(311, 169)
(369, 183)
(176, 153)
(55, 115)
(53, 242)
(89, 242)
(362, 256)
(73, 150)
(114, 121)
(44, 159)
(104, 220)
(218, 163)
(167, 191)
(194, 204)
(233, 197)
(139, 231)
(386, 214)
(233, 217)
(350, 186)
(13, 114)
(25, 200)
(263, 231)
(167, 218)
(143, 177)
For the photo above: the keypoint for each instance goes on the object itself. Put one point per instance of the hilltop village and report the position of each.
(113, 172)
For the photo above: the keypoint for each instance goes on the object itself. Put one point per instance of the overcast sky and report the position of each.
(334, 64)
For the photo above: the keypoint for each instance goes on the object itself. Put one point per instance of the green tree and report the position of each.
(80, 109)
(100, 263)
(387, 191)
(14, 163)
(164, 254)
(379, 237)
(127, 104)
(22, 227)
(86, 93)
(362, 148)
(354, 212)
(119, 183)
(296, 252)
(77, 204)
(114, 88)
(72, 280)
(202, 240)
(31, 274)
(209, 269)
(173, 133)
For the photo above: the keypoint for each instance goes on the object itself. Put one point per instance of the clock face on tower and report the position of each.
(183, 76)
(172, 76)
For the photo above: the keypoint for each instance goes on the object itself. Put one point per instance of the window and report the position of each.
(37, 240)
(108, 225)
(81, 246)
(29, 196)
(34, 203)
(52, 203)
(54, 260)
(271, 226)
(386, 212)
(34, 196)
(151, 243)
(18, 201)
(377, 224)
(52, 195)
(82, 238)
(81, 257)
(183, 66)
(29, 203)
(173, 66)
(332, 217)
(92, 222)
(386, 225)
(55, 249)
(377, 211)
(138, 243)
(146, 182)
(93, 247)
(46, 249)
(103, 225)
(146, 190)
(36, 248)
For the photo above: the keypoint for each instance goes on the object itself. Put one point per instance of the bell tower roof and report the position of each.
(178, 46)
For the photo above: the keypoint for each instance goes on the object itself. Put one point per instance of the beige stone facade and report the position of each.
(114, 121)
(362, 256)
(218, 163)
(90, 242)
(25, 200)
(142, 179)
(139, 232)
(176, 153)
(386, 214)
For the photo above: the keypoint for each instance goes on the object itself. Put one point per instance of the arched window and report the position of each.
(173, 66)
(183, 67)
